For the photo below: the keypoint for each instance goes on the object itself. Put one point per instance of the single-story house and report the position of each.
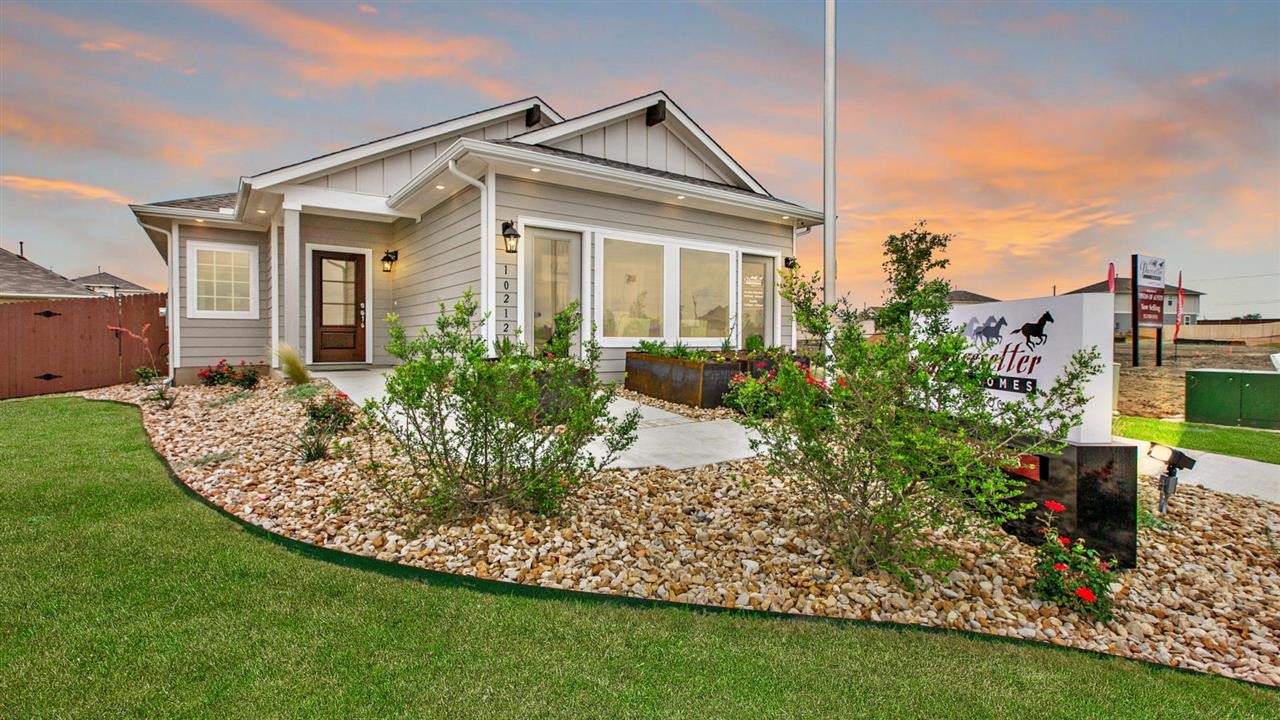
(108, 285)
(22, 280)
(1122, 322)
(632, 209)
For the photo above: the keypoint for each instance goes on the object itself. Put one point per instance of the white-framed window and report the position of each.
(633, 289)
(222, 280)
(652, 288)
(705, 297)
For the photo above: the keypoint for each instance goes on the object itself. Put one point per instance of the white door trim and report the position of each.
(309, 248)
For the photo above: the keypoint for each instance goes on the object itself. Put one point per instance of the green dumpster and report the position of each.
(1234, 397)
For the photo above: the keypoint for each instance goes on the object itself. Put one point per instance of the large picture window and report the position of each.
(222, 280)
(633, 287)
(704, 294)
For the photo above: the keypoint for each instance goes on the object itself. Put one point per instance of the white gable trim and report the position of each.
(677, 121)
(370, 151)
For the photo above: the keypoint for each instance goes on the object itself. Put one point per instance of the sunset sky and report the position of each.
(1050, 138)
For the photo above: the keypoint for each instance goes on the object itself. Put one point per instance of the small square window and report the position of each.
(222, 278)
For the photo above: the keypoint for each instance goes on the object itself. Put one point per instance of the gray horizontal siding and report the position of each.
(205, 341)
(439, 259)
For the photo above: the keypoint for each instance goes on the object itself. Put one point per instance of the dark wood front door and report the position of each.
(337, 307)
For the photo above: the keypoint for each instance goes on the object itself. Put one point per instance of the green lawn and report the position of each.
(1240, 442)
(124, 596)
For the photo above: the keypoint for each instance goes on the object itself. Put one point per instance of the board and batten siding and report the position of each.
(439, 259)
(346, 232)
(385, 175)
(629, 140)
(205, 341)
(526, 199)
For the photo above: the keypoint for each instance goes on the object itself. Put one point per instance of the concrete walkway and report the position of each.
(663, 439)
(1217, 472)
(666, 439)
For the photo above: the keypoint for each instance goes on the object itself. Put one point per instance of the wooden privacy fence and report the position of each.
(49, 346)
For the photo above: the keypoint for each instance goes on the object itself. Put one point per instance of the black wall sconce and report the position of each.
(510, 237)
(389, 259)
(790, 263)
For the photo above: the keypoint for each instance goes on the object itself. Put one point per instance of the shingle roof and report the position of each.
(211, 203)
(107, 279)
(19, 276)
(970, 297)
(1124, 285)
(636, 168)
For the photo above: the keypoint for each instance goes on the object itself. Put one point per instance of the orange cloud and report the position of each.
(98, 37)
(41, 187)
(337, 54)
(369, 9)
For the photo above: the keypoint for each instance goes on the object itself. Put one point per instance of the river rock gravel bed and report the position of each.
(1205, 596)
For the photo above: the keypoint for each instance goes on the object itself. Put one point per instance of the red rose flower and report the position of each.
(342, 395)
(1104, 566)
(1060, 567)
(843, 383)
(761, 364)
(1064, 540)
(1086, 594)
(1055, 506)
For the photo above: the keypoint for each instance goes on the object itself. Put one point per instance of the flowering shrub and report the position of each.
(1069, 574)
(244, 376)
(890, 440)
(755, 396)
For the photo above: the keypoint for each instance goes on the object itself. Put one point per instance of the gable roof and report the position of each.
(675, 117)
(19, 277)
(391, 143)
(1124, 285)
(109, 280)
(605, 162)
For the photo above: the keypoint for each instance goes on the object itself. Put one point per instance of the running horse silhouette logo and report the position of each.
(1033, 334)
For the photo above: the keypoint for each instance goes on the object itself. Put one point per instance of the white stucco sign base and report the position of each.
(1029, 343)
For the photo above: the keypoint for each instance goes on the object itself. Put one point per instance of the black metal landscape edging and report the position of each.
(541, 592)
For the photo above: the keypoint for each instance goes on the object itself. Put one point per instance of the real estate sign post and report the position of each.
(1147, 301)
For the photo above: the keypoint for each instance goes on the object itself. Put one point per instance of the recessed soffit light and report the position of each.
(535, 169)
(439, 187)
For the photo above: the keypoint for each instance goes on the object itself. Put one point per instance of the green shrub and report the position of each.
(755, 396)
(327, 417)
(301, 392)
(754, 344)
(893, 439)
(292, 366)
(562, 331)
(477, 432)
(146, 375)
(1071, 575)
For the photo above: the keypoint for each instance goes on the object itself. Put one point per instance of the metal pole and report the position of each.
(1133, 304)
(829, 160)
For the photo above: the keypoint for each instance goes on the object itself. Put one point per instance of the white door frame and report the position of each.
(368, 299)
(585, 295)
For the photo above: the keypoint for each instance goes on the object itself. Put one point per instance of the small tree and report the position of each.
(894, 438)
(476, 432)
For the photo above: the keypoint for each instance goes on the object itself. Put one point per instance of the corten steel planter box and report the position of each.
(688, 382)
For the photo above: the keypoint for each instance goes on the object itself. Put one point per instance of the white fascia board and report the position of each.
(341, 202)
(370, 151)
(212, 218)
(684, 124)
(486, 150)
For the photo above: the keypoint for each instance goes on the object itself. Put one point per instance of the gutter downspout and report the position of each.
(171, 315)
(829, 160)
(486, 248)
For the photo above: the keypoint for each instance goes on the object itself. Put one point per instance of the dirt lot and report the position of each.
(1150, 391)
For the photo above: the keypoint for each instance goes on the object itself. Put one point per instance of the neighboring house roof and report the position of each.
(633, 168)
(1124, 285)
(964, 296)
(212, 203)
(19, 277)
(106, 279)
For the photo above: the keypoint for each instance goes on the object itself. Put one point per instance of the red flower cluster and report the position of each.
(1055, 506)
(1086, 594)
(1064, 540)
(1060, 567)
